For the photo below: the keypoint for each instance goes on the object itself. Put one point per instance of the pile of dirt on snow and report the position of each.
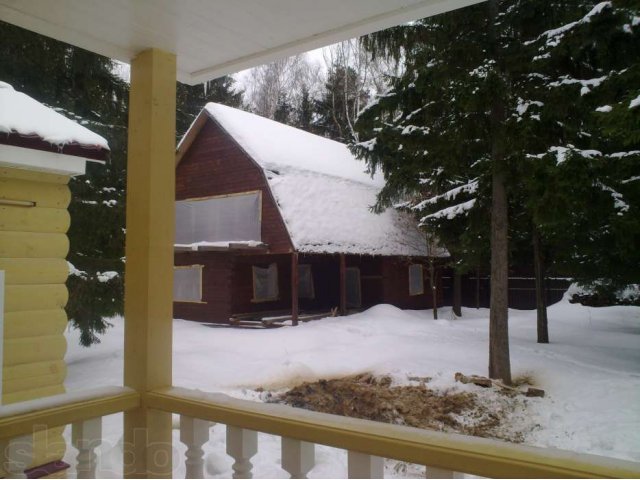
(375, 398)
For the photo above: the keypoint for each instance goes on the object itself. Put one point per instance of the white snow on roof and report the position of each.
(323, 192)
(21, 114)
(275, 145)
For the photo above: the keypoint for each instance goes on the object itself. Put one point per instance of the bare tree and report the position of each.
(269, 83)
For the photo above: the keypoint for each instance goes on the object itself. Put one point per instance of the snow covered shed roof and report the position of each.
(323, 192)
(25, 122)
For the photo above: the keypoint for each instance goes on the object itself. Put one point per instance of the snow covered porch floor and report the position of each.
(590, 372)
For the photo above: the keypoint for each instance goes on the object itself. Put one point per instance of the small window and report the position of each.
(305, 282)
(416, 280)
(354, 293)
(265, 283)
(187, 283)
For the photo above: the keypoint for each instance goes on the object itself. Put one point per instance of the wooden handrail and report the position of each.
(28, 417)
(478, 456)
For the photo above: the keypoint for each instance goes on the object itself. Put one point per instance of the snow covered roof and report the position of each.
(323, 192)
(20, 114)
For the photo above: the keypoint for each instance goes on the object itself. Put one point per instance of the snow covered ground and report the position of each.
(590, 372)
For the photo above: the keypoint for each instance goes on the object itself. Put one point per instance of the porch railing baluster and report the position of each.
(242, 444)
(298, 457)
(194, 433)
(361, 465)
(434, 472)
(86, 436)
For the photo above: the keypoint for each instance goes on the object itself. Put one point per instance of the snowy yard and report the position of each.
(590, 372)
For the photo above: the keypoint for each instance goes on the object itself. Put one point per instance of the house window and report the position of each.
(227, 218)
(265, 283)
(416, 279)
(187, 283)
(305, 282)
(354, 294)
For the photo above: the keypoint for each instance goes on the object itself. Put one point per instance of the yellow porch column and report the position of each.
(149, 265)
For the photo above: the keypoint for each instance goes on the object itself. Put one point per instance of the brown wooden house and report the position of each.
(273, 220)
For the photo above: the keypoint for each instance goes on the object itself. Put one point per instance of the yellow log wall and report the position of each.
(33, 250)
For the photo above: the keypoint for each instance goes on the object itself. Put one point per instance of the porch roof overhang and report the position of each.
(211, 38)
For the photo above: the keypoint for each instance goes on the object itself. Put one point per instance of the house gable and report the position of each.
(216, 165)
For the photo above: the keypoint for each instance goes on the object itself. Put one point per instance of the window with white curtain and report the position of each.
(187, 283)
(219, 219)
(416, 279)
(265, 283)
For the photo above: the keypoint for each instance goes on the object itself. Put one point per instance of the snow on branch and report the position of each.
(451, 212)
(625, 154)
(554, 36)
(587, 84)
(631, 179)
(562, 152)
(523, 106)
(470, 187)
(618, 200)
(368, 144)
(635, 102)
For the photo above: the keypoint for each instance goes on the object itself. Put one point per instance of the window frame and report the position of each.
(312, 295)
(275, 298)
(421, 292)
(198, 266)
(353, 305)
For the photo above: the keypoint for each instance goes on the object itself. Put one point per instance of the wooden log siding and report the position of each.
(396, 284)
(216, 287)
(33, 247)
(216, 165)
(213, 165)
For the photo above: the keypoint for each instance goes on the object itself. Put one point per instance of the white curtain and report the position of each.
(265, 283)
(223, 219)
(187, 283)
(416, 280)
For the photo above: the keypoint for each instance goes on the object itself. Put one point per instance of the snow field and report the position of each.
(590, 372)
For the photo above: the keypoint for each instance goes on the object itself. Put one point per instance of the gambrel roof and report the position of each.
(323, 192)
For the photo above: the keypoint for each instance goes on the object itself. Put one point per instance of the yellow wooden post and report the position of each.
(149, 258)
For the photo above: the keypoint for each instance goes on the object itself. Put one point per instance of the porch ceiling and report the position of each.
(212, 38)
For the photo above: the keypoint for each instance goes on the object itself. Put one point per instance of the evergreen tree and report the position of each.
(482, 104)
(283, 110)
(583, 196)
(304, 112)
(191, 98)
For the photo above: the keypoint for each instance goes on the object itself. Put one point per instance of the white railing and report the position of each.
(444, 455)
(82, 410)
(367, 443)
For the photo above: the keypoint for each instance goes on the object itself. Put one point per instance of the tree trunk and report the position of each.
(499, 362)
(478, 287)
(541, 304)
(434, 291)
(457, 294)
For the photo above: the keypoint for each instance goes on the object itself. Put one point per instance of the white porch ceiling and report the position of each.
(212, 38)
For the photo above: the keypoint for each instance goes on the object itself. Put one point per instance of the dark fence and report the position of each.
(522, 291)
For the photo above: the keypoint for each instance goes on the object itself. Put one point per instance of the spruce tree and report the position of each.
(304, 111)
(284, 110)
(190, 99)
(480, 125)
